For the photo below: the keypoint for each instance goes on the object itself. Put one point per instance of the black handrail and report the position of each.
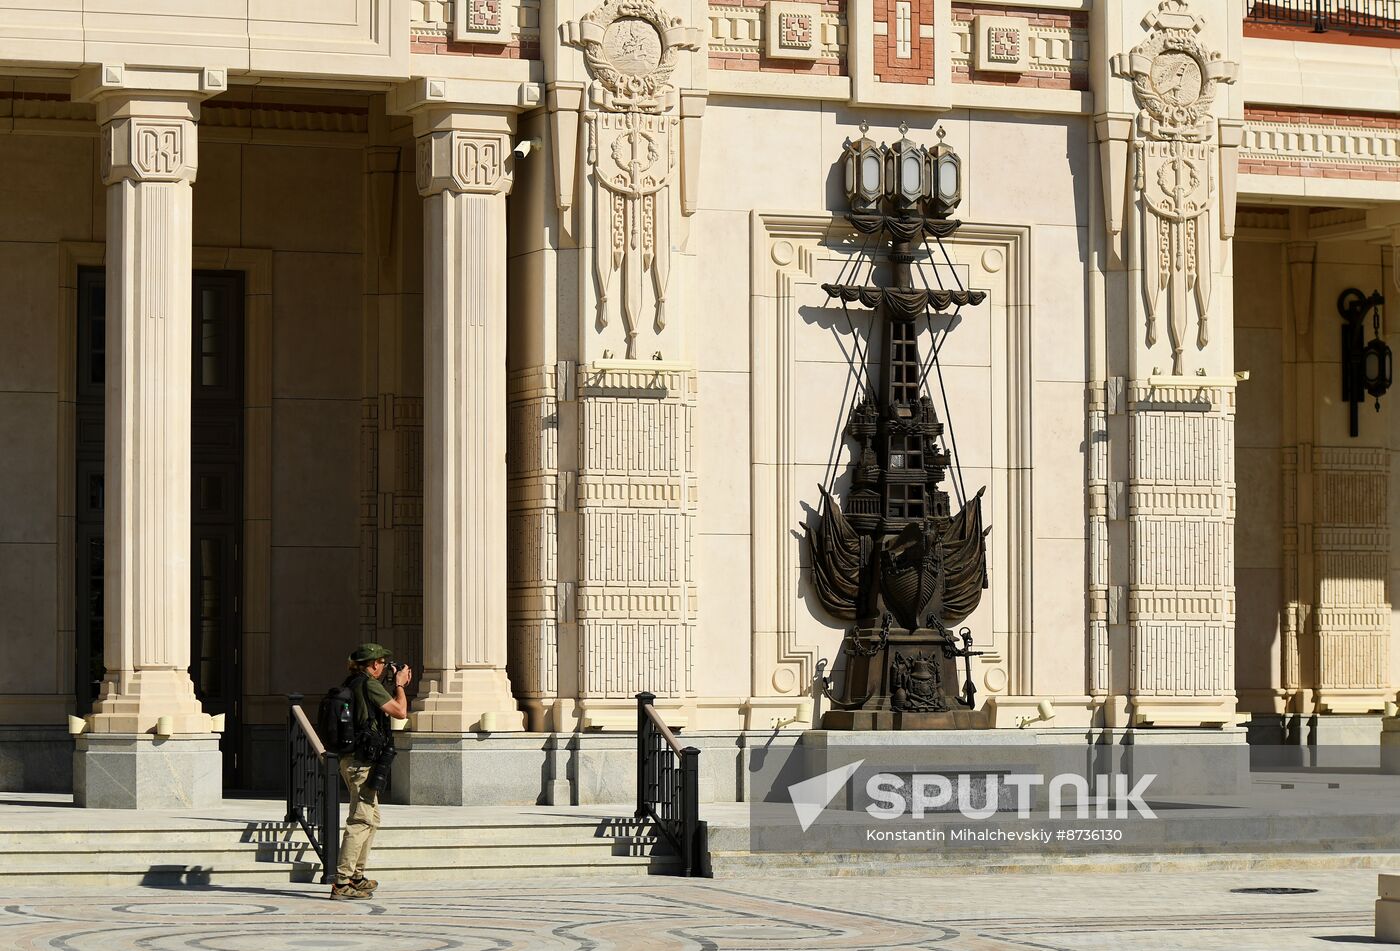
(1379, 17)
(313, 788)
(668, 788)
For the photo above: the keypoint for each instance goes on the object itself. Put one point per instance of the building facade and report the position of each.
(493, 331)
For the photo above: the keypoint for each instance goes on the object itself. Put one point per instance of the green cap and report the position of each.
(368, 652)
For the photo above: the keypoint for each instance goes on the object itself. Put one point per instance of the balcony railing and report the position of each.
(1374, 17)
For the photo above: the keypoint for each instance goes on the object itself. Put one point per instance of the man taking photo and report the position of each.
(366, 771)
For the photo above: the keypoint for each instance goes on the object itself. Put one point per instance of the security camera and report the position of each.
(525, 146)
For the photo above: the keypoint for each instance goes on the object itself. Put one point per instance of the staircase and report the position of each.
(167, 850)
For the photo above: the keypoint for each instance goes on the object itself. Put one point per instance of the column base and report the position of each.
(1185, 712)
(145, 697)
(139, 771)
(468, 701)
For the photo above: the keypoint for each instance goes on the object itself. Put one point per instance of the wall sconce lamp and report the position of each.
(1045, 712)
(1367, 368)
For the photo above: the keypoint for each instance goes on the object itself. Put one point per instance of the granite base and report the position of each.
(141, 771)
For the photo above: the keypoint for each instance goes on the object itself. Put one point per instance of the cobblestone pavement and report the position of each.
(1048, 912)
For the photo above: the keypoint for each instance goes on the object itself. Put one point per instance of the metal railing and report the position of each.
(668, 788)
(313, 788)
(1377, 17)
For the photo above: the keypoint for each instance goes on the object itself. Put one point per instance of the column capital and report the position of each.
(148, 119)
(463, 161)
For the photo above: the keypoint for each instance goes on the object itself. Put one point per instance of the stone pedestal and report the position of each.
(464, 178)
(1388, 909)
(141, 771)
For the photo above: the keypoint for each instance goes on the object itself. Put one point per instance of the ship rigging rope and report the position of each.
(938, 339)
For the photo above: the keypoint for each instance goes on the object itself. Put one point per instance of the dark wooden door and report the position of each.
(216, 486)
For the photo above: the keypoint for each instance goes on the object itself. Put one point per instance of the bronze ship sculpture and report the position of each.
(894, 559)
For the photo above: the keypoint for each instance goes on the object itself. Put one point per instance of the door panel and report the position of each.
(216, 487)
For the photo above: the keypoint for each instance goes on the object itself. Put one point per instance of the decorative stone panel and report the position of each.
(1181, 524)
(748, 35)
(533, 501)
(1054, 47)
(1351, 552)
(637, 503)
(1002, 44)
(793, 30)
(503, 29)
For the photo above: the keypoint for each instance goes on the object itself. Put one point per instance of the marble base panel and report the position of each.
(469, 769)
(35, 759)
(560, 769)
(1182, 762)
(140, 771)
(1344, 729)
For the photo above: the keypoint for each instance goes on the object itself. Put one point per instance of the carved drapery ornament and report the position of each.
(1174, 76)
(631, 49)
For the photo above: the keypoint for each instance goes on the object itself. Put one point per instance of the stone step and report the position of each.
(269, 873)
(388, 837)
(422, 856)
(838, 864)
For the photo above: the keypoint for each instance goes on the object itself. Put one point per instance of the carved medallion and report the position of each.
(630, 48)
(633, 46)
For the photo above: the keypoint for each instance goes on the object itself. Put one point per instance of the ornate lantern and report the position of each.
(1367, 368)
(945, 179)
(906, 174)
(865, 173)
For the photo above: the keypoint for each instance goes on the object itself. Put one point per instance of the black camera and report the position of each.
(378, 778)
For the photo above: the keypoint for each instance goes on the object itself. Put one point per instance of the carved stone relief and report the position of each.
(633, 154)
(1174, 76)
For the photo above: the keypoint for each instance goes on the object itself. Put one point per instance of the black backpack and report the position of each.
(335, 721)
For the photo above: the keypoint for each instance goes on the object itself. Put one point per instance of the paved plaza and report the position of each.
(1049, 912)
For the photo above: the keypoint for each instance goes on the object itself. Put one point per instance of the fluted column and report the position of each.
(147, 743)
(149, 157)
(464, 177)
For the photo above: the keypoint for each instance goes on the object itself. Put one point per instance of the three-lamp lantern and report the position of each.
(904, 178)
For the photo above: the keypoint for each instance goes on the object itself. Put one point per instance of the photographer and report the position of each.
(366, 772)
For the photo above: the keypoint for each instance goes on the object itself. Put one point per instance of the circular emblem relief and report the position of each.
(1176, 77)
(633, 46)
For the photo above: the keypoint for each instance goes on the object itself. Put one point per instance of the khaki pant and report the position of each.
(360, 824)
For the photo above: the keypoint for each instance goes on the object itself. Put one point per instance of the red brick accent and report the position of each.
(758, 62)
(1304, 169)
(918, 68)
(442, 46)
(1073, 19)
(1030, 79)
(1306, 34)
(1324, 117)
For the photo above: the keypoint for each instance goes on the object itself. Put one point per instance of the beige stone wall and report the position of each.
(1259, 600)
(303, 208)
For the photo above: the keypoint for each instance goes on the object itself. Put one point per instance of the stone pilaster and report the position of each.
(147, 710)
(464, 177)
(1163, 581)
